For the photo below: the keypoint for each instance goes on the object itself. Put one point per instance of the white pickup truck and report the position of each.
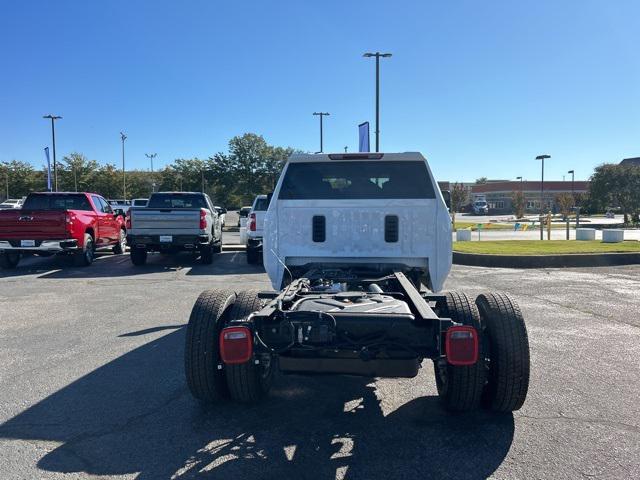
(358, 247)
(173, 222)
(255, 228)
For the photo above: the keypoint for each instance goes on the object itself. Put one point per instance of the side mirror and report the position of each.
(224, 210)
(269, 196)
(446, 194)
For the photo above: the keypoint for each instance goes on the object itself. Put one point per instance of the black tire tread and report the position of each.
(465, 383)
(7, 263)
(201, 354)
(245, 380)
(509, 366)
(138, 256)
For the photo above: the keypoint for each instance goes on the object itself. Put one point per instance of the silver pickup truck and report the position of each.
(173, 222)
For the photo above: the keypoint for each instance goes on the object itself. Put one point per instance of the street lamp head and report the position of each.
(543, 157)
(123, 136)
(386, 55)
(321, 113)
(570, 171)
(377, 54)
(518, 178)
(369, 55)
(52, 117)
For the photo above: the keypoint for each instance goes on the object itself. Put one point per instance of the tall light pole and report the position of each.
(53, 141)
(543, 158)
(377, 55)
(123, 137)
(151, 156)
(572, 172)
(321, 114)
(520, 178)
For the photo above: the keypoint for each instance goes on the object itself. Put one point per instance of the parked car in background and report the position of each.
(139, 202)
(255, 228)
(122, 205)
(11, 203)
(173, 222)
(222, 214)
(51, 223)
(243, 213)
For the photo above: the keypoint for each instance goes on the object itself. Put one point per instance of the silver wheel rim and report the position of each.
(123, 241)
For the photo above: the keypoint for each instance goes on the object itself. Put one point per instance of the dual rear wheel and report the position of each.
(208, 379)
(499, 380)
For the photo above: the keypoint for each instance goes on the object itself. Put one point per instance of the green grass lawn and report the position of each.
(505, 226)
(544, 247)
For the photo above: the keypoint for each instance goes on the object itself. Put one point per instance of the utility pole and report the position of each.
(542, 157)
(572, 172)
(53, 137)
(123, 137)
(378, 55)
(345, 149)
(321, 114)
(151, 156)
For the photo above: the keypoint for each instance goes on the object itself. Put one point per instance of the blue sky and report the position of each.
(481, 88)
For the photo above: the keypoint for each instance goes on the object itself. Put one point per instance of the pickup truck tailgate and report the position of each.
(175, 221)
(32, 224)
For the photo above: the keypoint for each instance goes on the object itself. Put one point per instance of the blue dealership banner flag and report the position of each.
(363, 130)
(46, 153)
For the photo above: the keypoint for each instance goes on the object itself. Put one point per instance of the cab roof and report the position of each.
(327, 157)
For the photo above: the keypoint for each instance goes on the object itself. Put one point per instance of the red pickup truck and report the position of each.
(60, 223)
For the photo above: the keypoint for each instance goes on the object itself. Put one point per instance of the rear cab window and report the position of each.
(261, 204)
(57, 202)
(340, 180)
(177, 200)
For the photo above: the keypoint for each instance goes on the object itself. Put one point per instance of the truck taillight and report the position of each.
(461, 345)
(68, 221)
(251, 223)
(127, 220)
(203, 219)
(236, 345)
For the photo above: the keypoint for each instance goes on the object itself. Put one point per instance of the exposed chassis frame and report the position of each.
(414, 336)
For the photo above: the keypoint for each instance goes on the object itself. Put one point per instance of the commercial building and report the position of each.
(499, 195)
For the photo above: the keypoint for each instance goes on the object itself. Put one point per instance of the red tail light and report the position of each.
(203, 219)
(127, 220)
(236, 345)
(68, 221)
(461, 345)
(251, 223)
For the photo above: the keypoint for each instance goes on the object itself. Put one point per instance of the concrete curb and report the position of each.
(546, 261)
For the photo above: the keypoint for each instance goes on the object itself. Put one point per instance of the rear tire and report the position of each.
(205, 380)
(217, 247)
(508, 352)
(9, 260)
(248, 382)
(206, 254)
(121, 246)
(138, 256)
(460, 387)
(84, 257)
(252, 256)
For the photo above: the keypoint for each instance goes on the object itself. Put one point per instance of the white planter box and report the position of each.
(585, 233)
(612, 236)
(463, 235)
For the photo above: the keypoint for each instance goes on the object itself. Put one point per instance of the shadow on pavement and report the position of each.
(135, 415)
(110, 265)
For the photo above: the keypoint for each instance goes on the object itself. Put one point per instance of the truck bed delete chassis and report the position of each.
(389, 340)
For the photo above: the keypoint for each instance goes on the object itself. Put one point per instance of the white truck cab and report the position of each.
(381, 210)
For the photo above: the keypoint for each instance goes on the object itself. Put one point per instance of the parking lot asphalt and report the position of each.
(92, 385)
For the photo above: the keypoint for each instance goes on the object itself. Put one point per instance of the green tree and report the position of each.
(481, 180)
(458, 198)
(518, 203)
(77, 173)
(21, 178)
(565, 202)
(614, 185)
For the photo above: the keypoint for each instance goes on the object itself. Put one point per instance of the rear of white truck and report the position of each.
(358, 209)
